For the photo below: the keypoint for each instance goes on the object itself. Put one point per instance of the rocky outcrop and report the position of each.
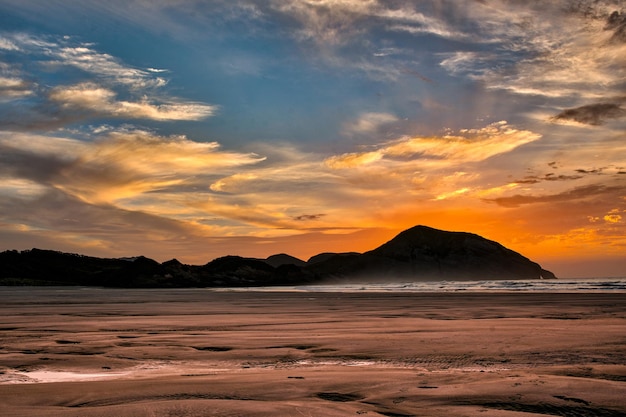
(283, 259)
(420, 253)
(424, 253)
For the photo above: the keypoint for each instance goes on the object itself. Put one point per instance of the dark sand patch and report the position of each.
(338, 396)
(214, 348)
(67, 342)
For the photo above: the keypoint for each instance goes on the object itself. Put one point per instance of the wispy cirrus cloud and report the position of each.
(46, 105)
(56, 52)
(8, 45)
(532, 56)
(96, 100)
(336, 22)
(103, 66)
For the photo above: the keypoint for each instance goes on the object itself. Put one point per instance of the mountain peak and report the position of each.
(425, 252)
(283, 259)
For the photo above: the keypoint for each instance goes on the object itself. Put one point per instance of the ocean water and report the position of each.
(576, 285)
(562, 285)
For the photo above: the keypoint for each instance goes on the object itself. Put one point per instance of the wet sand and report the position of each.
(174, 353)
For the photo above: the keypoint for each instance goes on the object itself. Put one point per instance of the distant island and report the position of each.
(417, 254)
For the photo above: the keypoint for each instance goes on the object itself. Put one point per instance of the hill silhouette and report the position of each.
(417, 254)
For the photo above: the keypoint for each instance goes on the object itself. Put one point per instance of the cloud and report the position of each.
(454, 193)
(578, 193)
(425, 25)
(12, 88)
(59, 52)
(476, 65)
(128, 164)
(590, 171)
(527, 53)
(8, 45)
(98, 100)
(613, 216)
(326, 22)
(94, 94)
(223, 192)
(121, 165)
(308, 217)
(20, 188)
(104, 66)
(592, 114)
(132, 187)
(534, 179)
(161, 183)
(350, 34)
(232, 183)
(469, 145)
(59, 221)
(533, 56)
(616, 22)
(369, 122)
(353, 160)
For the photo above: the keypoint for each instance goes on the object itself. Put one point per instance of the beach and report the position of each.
(197, 352)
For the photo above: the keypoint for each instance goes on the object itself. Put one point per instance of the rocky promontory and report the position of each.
(417, 254)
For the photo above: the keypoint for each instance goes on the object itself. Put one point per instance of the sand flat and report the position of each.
(96, 352)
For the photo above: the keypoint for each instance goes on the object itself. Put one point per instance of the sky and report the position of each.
(193, 129)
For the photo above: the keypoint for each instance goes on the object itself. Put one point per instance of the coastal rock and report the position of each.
(323, 257)
(283, 259)
(424, 253)
(417, 254)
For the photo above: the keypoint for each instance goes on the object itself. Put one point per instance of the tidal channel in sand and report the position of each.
(194, 352)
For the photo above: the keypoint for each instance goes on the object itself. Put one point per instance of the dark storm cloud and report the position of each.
(592, 114)
(578, 193)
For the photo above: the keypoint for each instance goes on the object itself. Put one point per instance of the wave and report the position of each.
(577, 285)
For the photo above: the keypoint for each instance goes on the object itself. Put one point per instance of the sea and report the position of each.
(575, 285)
(561, 285)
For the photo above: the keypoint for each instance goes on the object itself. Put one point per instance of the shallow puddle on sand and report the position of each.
(145, 370)
(42, 376)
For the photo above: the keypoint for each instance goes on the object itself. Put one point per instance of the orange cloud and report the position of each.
(613, 216)
(469, 145)
(125, 165)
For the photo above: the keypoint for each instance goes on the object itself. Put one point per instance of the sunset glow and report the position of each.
(196, 129)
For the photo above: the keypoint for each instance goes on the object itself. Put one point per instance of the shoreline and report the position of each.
(560, 285)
